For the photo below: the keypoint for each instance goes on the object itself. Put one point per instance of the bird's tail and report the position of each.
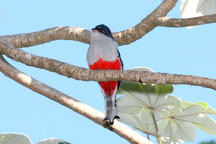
(111, 110)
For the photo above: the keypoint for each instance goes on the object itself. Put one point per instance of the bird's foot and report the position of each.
(111, 121)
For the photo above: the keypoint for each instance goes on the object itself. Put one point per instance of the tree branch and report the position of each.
(146, 25)
(172, 22)
(102, 75)
(79, 34)
(56, 33)
(83, 109)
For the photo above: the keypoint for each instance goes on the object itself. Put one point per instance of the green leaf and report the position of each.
(139, 101)
(204, 104)
(208, 109)
(209, 142)
(195, 114)
(13, 138)
(175, 119)
(176, 130)
(129, 105)
(150, 88)
(207, 124)
(53, 141)
(165, 89)
(179, 125)
(131, 86)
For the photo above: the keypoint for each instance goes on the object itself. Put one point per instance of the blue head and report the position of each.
(103, 29)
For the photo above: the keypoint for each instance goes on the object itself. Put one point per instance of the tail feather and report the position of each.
(110, 105)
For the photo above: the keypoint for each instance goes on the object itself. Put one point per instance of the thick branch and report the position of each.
(90, 75)
(79, 34)
(172, 22)
(85, 110)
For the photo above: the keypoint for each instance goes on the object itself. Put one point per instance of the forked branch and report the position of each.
(82, 35)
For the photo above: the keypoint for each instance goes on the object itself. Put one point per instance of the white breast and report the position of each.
(103, 47)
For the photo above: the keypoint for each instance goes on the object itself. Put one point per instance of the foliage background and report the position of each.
(172, 50)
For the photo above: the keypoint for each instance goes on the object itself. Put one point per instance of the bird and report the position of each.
(103, 54)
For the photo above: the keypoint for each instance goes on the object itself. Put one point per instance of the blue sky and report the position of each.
(169, 50)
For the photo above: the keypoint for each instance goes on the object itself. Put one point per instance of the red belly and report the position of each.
(108, 86)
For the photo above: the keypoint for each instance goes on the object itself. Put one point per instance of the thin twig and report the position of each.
(184, 22)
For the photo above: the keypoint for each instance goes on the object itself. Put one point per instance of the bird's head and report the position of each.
(103, 29)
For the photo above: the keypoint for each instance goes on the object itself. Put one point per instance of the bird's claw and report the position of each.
(111, 122)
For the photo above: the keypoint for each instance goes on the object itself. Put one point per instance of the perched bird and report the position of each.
(103, 54)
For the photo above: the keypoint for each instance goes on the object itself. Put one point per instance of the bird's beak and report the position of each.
(94, 30)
